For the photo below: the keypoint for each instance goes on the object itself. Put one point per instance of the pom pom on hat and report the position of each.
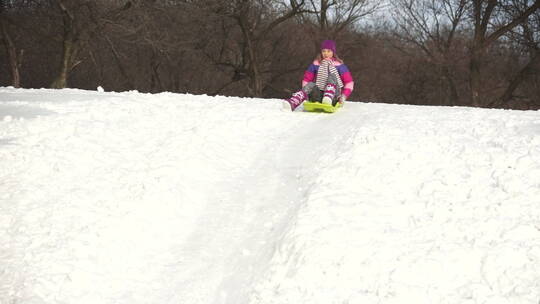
(329, 45)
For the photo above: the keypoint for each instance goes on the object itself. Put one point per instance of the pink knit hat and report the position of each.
(329, 45)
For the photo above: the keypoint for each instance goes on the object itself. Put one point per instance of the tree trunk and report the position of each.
(255, 77)
(156, 85)
(475, 78)
(67, 62)
(324, 20)
(256, 81)
(482, 41)
(519, 78)
(453, 94)
(11, 50)
(257, 84)
(70, 47)
(125, 75)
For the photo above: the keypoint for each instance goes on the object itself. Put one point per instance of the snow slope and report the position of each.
(171, 198)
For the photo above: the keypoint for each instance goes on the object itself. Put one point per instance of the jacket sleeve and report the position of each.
(309, 74)
(346, 77)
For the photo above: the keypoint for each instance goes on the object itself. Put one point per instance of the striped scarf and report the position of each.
(325, 69)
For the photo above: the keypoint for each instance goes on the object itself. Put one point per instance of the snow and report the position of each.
(173, 198)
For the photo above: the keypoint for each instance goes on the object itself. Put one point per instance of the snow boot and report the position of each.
(296, 99)
(329, 93)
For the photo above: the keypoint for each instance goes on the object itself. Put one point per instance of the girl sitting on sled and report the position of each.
(327, 80)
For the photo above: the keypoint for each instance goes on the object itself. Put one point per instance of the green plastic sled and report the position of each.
(311, 106)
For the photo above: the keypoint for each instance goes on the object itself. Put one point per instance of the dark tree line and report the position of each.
(482, 53)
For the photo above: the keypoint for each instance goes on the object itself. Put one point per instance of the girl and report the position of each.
(326, 80)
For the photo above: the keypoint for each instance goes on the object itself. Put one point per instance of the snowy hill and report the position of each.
(170, 198)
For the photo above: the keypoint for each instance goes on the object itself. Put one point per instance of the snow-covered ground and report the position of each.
(170, 198)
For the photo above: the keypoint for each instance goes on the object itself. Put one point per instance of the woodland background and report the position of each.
(481, 53)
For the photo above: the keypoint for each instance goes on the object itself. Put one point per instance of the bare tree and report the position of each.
(484, 36)
(257, 47)
(526, 35)
(85, 22)
(14, 55)
(254, 23)
(70, 45)
(248, 18)
(431, 26)
(331, 18)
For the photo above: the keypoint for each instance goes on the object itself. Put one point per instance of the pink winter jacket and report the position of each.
(310, 75)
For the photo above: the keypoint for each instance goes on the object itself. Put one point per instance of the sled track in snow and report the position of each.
(263, 200)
